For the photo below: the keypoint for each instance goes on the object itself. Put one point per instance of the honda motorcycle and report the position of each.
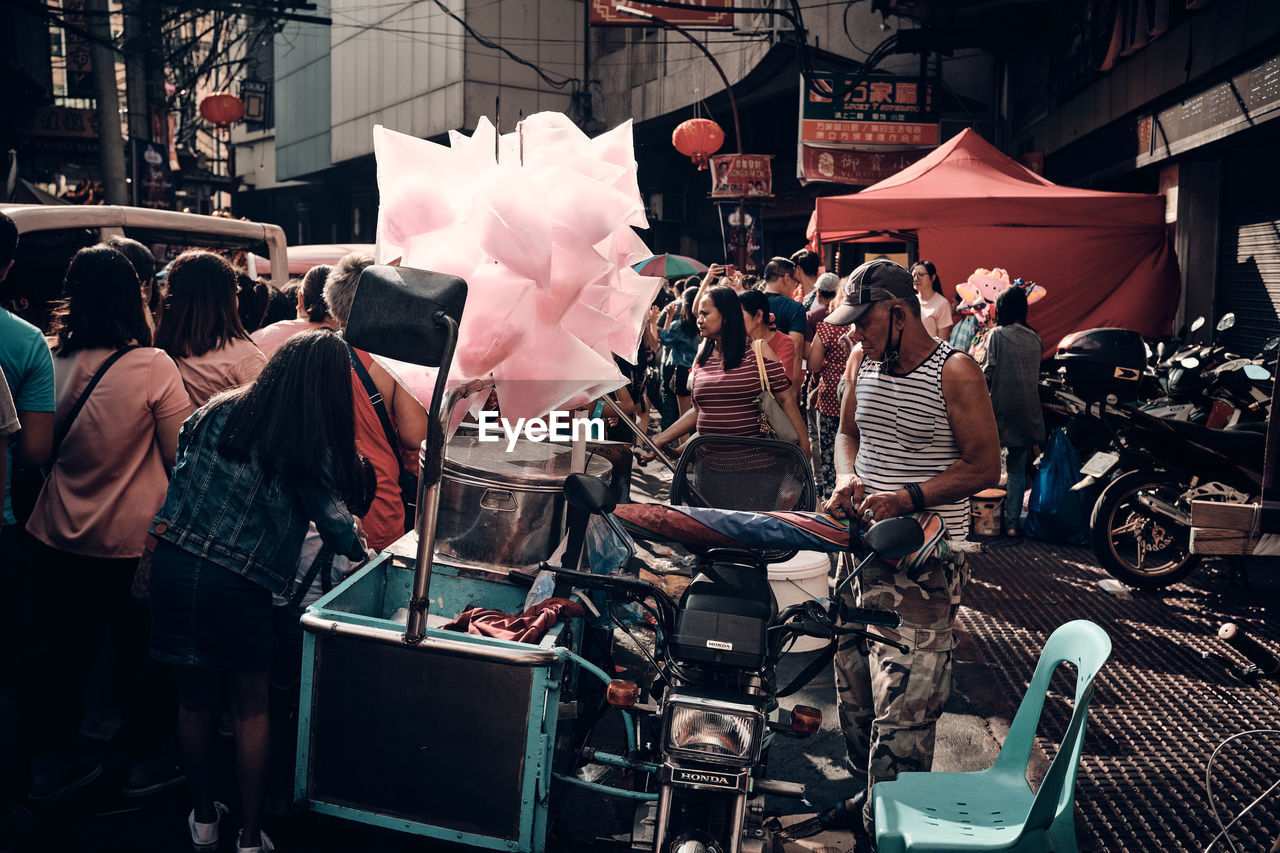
(704, 725)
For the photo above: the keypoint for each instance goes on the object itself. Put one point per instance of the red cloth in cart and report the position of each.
(527, 627)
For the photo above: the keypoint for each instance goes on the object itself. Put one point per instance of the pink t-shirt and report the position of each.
(109, 479)
(269, 338)
(235, 364)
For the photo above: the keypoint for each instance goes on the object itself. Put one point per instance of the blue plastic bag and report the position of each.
(1055, 513)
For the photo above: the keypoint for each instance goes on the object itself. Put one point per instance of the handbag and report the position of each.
(774, 422)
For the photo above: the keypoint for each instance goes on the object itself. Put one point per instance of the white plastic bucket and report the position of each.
(802, 577)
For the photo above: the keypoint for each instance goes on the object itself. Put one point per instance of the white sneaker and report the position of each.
(265, 845)
(204, 836)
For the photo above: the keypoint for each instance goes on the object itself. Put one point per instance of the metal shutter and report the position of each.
(1249, 249)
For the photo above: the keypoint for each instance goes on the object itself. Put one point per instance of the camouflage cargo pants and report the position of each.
(889, 702)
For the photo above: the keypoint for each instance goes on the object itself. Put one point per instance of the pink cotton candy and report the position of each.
(496, 321)
(452, 250)
(542, 233)
(509, 220)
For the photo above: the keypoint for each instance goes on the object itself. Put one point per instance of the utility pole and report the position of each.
(110, 138)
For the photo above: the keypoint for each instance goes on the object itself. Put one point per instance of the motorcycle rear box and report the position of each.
(1102, 362)
(723, 617)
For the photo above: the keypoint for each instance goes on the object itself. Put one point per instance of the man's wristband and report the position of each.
(917, 496)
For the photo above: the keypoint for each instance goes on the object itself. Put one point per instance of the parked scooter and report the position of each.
(708, 717)
(1141, 523)
(1151, 468)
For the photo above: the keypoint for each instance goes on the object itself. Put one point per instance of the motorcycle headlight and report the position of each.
(713, 731)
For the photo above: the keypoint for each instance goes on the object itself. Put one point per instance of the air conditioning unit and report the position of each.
(666, 207)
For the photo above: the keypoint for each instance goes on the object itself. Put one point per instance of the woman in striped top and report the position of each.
(725, 380)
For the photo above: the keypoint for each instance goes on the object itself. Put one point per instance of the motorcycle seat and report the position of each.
(1239, 444)
(740, 589)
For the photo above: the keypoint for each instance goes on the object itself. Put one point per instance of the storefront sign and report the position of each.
(737, 175)
(79, 57)
(742, 225)
(699, 14)
(879, 110)
(845, 166)
(59, 121)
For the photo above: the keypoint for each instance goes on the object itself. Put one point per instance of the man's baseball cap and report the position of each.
(874, 281)
(828, 282)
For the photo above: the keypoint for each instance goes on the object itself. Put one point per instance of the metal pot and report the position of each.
(504, 508)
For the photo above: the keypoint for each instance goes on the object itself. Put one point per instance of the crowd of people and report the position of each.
(186, 453)
(201, 456)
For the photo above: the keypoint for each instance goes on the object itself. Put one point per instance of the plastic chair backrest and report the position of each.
(736, 472)
(1087, 646)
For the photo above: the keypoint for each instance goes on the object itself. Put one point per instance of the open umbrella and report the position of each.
(670, 266)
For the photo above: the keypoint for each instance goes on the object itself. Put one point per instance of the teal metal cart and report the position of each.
(451, 738)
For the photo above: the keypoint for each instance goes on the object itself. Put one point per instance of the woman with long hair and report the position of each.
(935, 310)
(758, 320)
(254, 466)
(200, 327)
(1011, 363)
(678, 333)
(725, 380)
(114, 444)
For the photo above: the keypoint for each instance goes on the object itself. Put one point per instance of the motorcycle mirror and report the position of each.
(894, 537)
(1197, 324)
(1160, 350)
(1146, 347)
(588, 493)
(1190, 362)
(1228, 320)
(1257, 372)
(1271, 345)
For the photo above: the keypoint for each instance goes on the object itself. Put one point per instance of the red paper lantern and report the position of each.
(221, 109)
(698, 139)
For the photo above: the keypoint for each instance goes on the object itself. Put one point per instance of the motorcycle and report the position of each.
(1141, 523)
(707, 719)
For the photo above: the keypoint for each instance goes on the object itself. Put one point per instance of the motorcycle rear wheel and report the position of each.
(1136, 544)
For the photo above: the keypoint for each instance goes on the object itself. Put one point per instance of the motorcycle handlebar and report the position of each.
(1267, 664)
(872, 616)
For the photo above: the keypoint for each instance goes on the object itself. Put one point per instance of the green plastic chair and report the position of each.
(995, 809)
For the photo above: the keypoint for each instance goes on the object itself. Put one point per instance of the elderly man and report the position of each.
(390, 423)
(916, 432)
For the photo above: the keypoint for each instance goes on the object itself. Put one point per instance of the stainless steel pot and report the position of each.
(504, 508)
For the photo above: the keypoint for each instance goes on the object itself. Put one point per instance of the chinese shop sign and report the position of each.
(699, 14)
(736, 175)
(741, 225)
(880, 110)
(846, 166)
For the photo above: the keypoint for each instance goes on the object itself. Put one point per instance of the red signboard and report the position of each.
(737, 175)
(696, 14)
(863, 168)
(868, 132)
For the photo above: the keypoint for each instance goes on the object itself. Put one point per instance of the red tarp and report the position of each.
(1104, 258)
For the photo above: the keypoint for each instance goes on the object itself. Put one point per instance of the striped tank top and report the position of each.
(904, 434)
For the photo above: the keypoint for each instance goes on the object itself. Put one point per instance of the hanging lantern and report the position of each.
(221, 109)
(698, 139)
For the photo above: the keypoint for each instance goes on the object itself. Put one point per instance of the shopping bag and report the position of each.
(1055, 513)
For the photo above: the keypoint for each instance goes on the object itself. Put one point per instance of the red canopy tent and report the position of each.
(1104, 258)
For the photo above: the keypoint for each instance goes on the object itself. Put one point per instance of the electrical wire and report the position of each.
(1208, 790)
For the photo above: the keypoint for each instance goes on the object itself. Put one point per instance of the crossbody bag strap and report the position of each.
(84, 396)
(375, 398)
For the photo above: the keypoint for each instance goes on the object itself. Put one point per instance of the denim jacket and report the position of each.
(238, 516)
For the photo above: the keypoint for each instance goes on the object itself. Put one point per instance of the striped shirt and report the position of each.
(726, 400)
(903, 432)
